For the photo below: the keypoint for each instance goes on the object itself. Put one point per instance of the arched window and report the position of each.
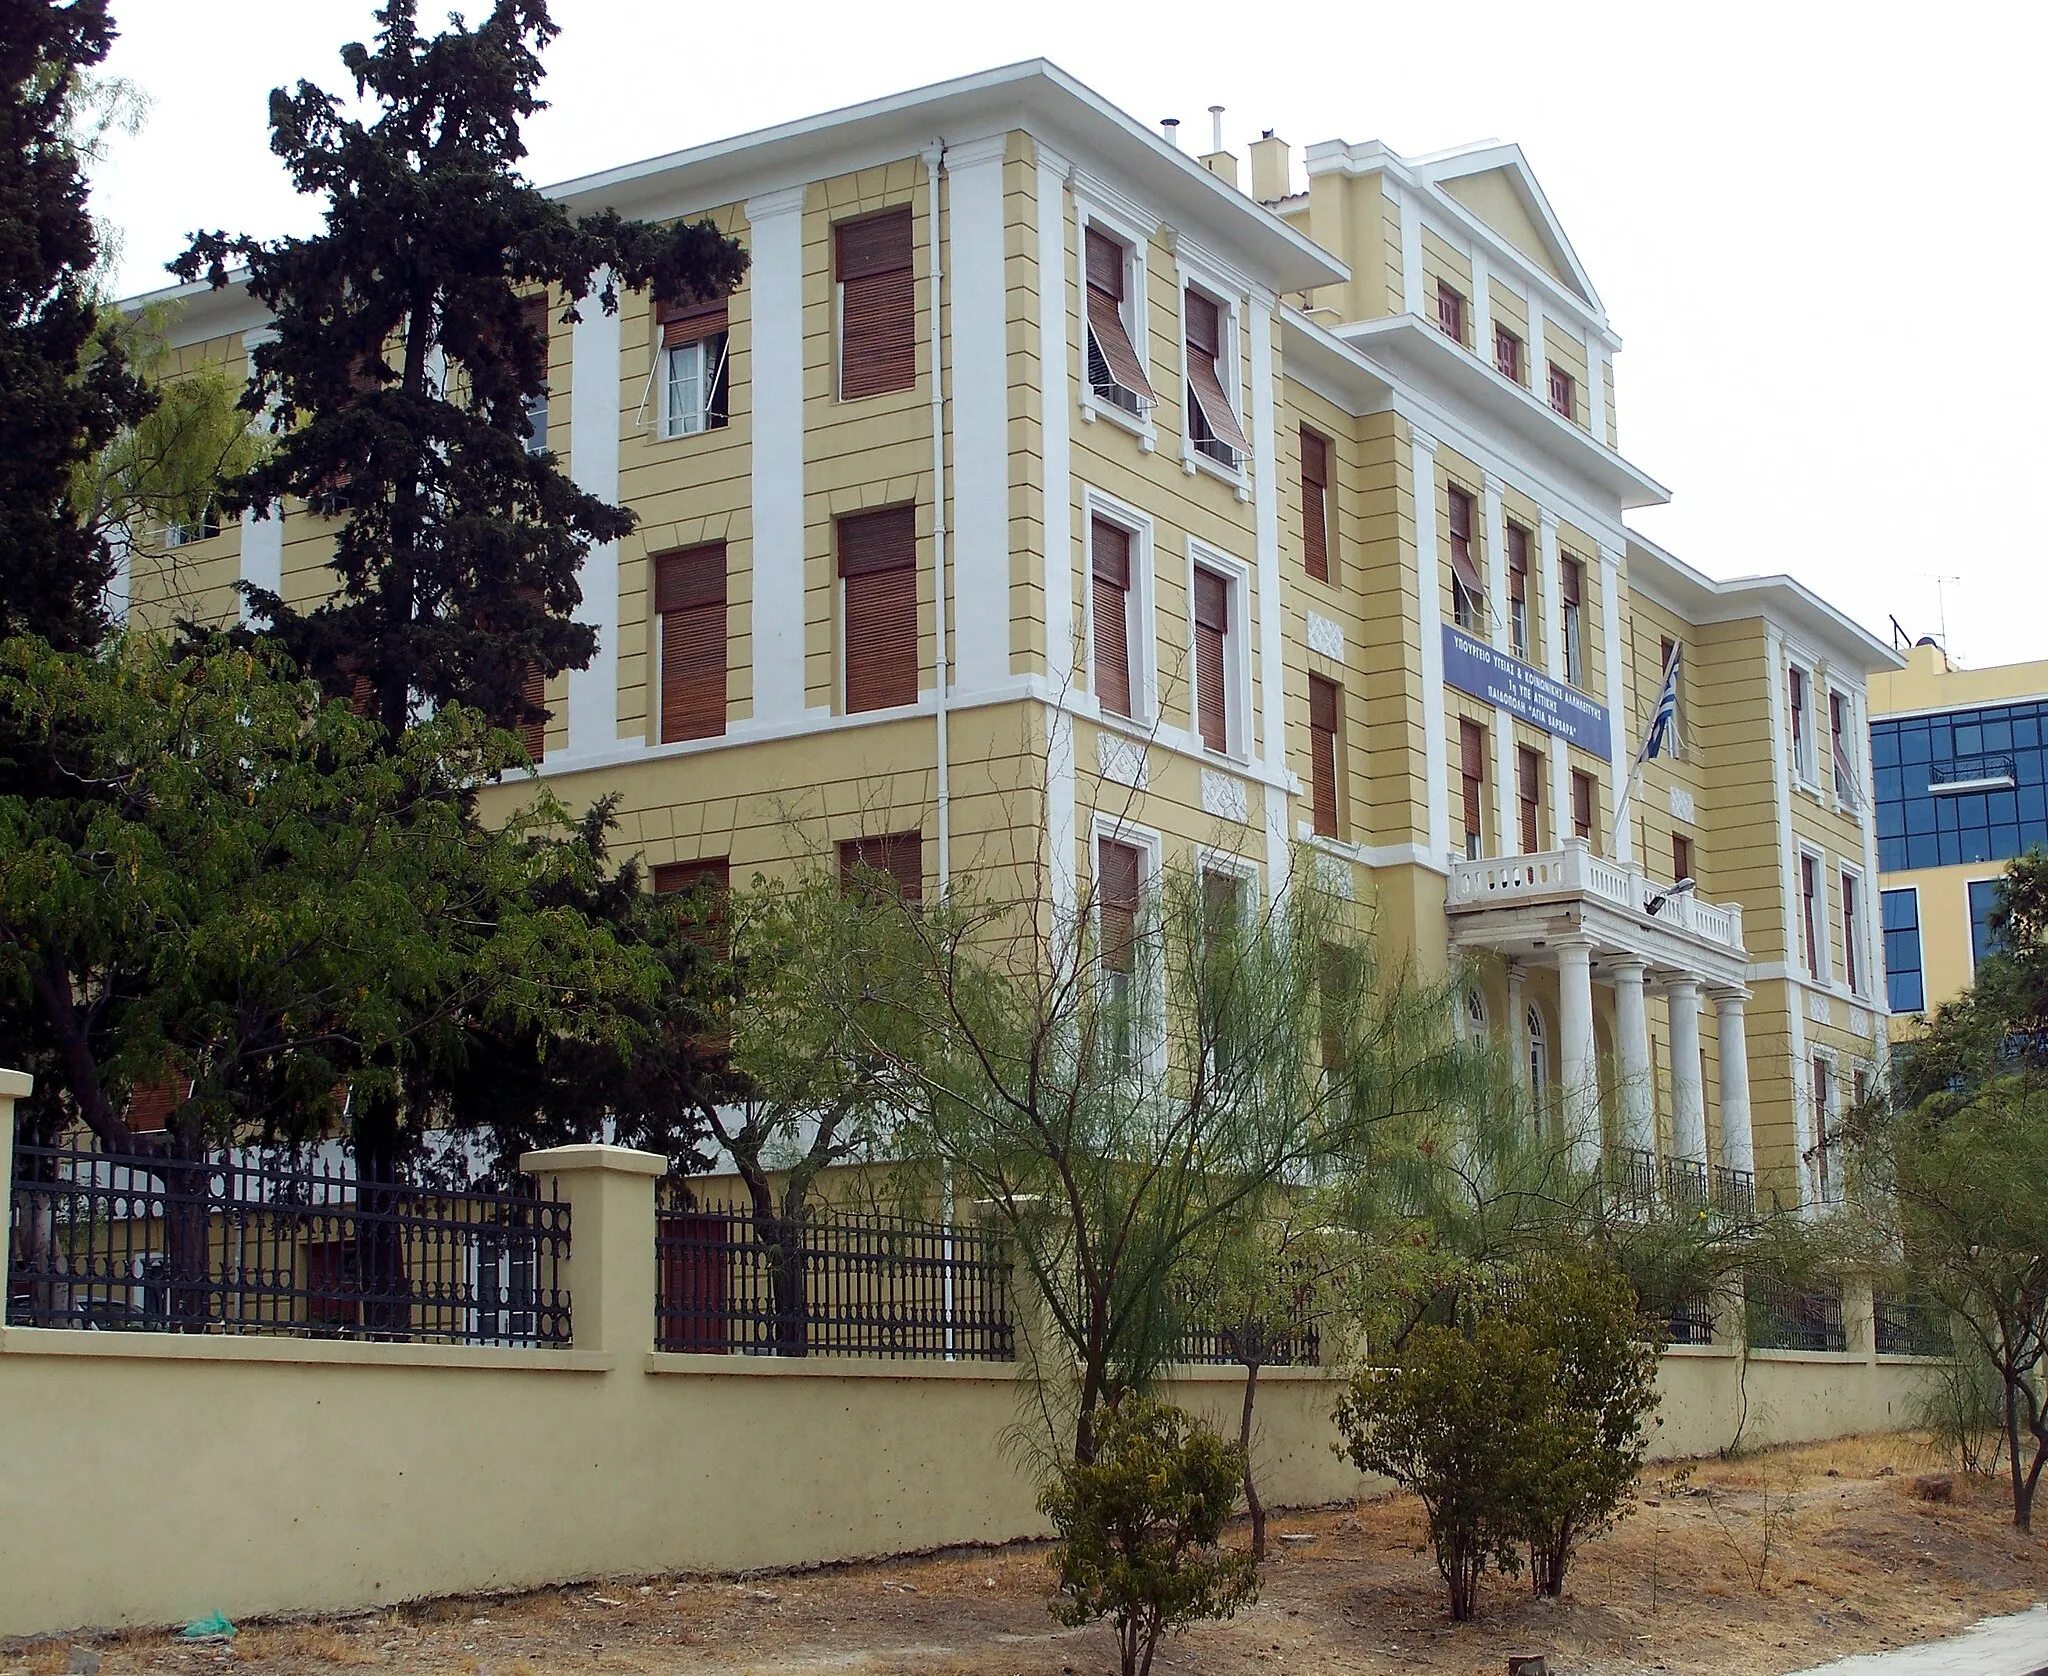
(1475, 1015)
(1539, 1055)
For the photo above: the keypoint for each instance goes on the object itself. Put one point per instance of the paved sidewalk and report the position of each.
(2015, 1646)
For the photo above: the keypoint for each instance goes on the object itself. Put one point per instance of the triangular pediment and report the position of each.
(1496, 184)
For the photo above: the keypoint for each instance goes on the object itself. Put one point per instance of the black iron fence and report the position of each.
(1909, 1327)
(1685, 1184)
(1296, 1341)
(839, 1283)
(1735, 1193)
(1686, 1313)
(235, 1244)
(1782, 1316)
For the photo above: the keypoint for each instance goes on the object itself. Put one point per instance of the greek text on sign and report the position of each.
(1474, 667)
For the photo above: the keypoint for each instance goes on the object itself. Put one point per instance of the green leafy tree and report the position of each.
(65, 390)
(1139, 1526)
(403, 362)
(246, 893)
(1451, 1418)
(1591, 1432)
(1118, 1088)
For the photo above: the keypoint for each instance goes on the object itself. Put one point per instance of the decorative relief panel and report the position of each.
(1223, 795)
(1121, 760)
(1325, 637)
(1682, 807)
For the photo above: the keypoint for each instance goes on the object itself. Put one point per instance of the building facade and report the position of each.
(1961, 785)
(1046, 508)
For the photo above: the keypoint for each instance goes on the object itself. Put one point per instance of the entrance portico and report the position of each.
(1592, 918)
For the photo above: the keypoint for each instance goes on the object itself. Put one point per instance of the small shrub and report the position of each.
(1138, 1528)
(1451, 1420)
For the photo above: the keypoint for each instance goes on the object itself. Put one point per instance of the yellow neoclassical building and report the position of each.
(1051, 504)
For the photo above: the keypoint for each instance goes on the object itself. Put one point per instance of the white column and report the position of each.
(1518, 1025)
(1632, 1045)
(1688, 1099)
(1581, 1094)
(776, 278)
(1053, 362)
(980, 591)
(1737, 1150)
(1265, 441)
(594, 466)
(1429, 600)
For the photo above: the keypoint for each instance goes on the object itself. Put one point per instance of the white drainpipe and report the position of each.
(935, 164)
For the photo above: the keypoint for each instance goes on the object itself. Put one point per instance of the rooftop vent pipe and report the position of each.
(1170, 127)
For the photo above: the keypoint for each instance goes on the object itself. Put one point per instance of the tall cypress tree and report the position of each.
(64, 389)
(404, 359)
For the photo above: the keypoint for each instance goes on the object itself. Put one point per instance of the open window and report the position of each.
(1116, 370)
(1468, 588)
(692, 367)
(1213, 429)
(1518, 590)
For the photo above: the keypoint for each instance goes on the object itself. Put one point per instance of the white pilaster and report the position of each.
(1411, 253)
(1482, 308)
(1429, 597)
(594, 466)
(1620, 751)
(980, 592)
(1576, 1059)
(1596, 392)
(1518, 1025)
(1793, 990)
(1494, 563)
(1688, 1099)
(262, 535)
(1632, 1047)
(776, 278)
(1272, 623)
(1539, 353)
(1054, 354)
(1737, 1150)
(1550, 609)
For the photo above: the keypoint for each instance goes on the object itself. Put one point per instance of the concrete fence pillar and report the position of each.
(611, 1272)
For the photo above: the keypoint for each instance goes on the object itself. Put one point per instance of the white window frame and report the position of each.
(1850, 755)
(1141, 639)
(1150, 845)
(1137, 300)
(1230, 374)
(1536, 1053)
(1969, 929)
(1827, 1187)
(1571, 640)
(1475, 1017)
(1804, 754)
(1820, 968)
(1855, 930)
(1237, 671)
(668, 430)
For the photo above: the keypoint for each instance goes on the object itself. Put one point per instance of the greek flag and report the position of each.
(1663, 735)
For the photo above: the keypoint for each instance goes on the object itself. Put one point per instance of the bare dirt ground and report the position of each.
(1750, 1568)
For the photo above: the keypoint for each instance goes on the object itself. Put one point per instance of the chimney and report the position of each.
(1216, 160)
(1170, 127)
(1272, 166)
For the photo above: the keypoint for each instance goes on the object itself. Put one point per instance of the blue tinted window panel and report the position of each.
(1983, 898)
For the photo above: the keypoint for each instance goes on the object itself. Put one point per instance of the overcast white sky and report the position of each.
(1817, 227)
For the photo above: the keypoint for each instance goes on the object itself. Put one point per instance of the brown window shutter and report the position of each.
(714, 873)
(1529, 790)
(1568, 581)
(898, 858)
(534, 311)
(877, 305)
(1205, 349)
(1582, 806)
(1118, 872)
(1110, 548)
(878, 560)
(1325, 704)
(1518, 564)
(1472, 750)
(534, 697)
(1105, 264)
(1315, 506)
(149, 1109)
(1212, 629)
(1462, 565)
(686, 323)
(689, 595)
(1121, 358)
(1222, 900)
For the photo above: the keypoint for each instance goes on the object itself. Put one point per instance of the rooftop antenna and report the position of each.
(1941, 609)
(1215, 127)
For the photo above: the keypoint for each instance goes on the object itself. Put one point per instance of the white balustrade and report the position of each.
(1501, 881)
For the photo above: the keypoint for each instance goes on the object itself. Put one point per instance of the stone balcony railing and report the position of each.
(1513, 880)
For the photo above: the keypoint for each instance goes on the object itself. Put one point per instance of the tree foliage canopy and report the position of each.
(404, 359)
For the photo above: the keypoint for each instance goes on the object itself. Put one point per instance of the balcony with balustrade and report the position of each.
(1597, 919)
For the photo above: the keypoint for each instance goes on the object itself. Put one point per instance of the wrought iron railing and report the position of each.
(235, 1244)
(1298, 1342)
(1735, 1193)
(838, 1284)
(1685, 1313)
(1987, 768)
(1632, 1180)
(1782, 1316)
(1685, 1184)
(1909, 1327)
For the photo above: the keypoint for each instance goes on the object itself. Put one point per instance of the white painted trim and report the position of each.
(1094, 202)
(1429, 597)
(1823, 952)
(776, 280)
(1062, 862)
(980, 594)
(1482, 304)
(1852, 943)
(1620, 753)
(1141, 632)
(594, 465)
(1411, 253)
(1596, 393)
(1240, 731)
(1230, 370)
(263, 550)
(1151, 845)
(1264, 438)
(1550, 614)
(1493, 567)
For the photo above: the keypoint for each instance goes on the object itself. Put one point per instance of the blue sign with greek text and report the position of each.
(1474, 667)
